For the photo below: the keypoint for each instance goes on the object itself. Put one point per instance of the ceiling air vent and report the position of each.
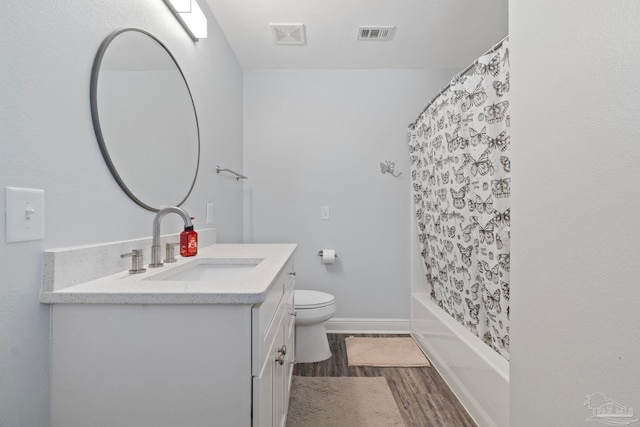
(289, 33)
(375, 33)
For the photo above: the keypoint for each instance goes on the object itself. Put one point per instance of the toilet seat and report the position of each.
(307, 299)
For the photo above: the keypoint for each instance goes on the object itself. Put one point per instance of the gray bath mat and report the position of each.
(342, 402)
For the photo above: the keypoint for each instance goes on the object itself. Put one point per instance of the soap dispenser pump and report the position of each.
(188, 242)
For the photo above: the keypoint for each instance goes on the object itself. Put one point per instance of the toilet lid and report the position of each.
(312, 299)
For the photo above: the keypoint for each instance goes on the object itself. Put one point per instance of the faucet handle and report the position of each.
(137, 261)
(170, 252)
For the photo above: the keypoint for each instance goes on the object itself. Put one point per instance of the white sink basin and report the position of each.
(210, 269)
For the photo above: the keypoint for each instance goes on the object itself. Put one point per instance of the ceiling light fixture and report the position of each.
(190, 16)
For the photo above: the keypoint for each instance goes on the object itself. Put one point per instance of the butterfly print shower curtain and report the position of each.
(460, 171)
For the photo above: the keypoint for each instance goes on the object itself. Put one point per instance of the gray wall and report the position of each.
(317, 137)
(47, 141)
(575, 205)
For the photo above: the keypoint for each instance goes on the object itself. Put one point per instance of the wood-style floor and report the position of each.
(423, 398)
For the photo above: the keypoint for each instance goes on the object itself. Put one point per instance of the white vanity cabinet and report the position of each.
(174, 364)
(273, 369)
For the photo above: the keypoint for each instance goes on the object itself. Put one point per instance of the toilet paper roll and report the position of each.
(328, 256)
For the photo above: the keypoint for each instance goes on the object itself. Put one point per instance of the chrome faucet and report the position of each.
(156, 249)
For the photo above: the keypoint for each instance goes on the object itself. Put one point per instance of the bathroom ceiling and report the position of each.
(429, 33)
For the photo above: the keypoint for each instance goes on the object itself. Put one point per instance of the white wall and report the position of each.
(47, 141)
(576, 151)
(317, 137)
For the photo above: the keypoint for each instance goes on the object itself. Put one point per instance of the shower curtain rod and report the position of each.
(462, 73)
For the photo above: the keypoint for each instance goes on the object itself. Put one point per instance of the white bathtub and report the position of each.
(478, 376)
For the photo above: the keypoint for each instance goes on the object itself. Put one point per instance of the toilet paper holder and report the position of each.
(320, 253)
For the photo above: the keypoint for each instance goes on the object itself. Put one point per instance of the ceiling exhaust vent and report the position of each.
(289, 33)
(375, 33)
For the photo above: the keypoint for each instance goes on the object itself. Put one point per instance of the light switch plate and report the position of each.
(24, 214)
(325, 213)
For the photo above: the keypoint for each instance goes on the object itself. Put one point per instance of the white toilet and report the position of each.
(313, 308)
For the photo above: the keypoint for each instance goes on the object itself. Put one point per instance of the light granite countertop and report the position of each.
(249, 287)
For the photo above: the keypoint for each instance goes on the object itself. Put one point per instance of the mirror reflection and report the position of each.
(145, 119)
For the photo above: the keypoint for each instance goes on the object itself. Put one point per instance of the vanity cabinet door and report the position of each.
(268, 390)
(288, 324)
(279, 375)
(266, 317)
(263, 396)
(283, 368)
(272, 385)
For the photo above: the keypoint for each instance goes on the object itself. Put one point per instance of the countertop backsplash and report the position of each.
(70, 266)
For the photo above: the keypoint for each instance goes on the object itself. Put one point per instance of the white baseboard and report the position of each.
(367, 326)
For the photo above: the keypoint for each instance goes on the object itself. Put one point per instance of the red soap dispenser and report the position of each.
(188, 242)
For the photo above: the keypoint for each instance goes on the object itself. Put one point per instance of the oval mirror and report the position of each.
(145, 119)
